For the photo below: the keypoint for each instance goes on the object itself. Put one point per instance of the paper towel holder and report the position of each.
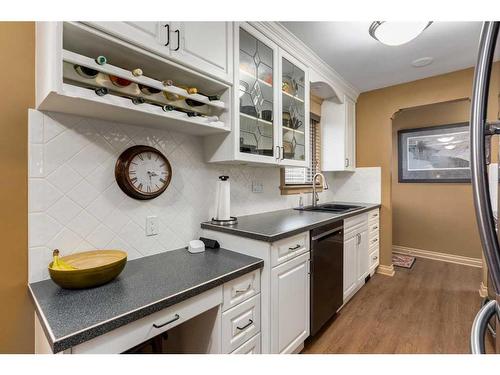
(232, 221)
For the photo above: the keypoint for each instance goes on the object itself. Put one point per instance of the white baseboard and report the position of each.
(386, 270)
(457, 259)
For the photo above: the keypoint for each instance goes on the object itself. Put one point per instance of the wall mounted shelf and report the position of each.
(62, 45)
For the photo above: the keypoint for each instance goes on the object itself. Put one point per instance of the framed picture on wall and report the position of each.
(434, 154)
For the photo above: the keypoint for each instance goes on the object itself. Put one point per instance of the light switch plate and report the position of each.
(152, 225)
(257, 187)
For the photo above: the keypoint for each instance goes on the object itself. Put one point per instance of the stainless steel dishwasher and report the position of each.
(327, 264)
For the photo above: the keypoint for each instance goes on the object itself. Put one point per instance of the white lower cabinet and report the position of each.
(290, 304)
(284, 287)
(240, 323)
(350, 266)
(252, 346)
(361, 250)
(362, 256)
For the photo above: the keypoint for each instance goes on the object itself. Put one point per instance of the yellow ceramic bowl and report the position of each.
(93, 268)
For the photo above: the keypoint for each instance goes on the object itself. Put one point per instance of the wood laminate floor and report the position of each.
(426, 309)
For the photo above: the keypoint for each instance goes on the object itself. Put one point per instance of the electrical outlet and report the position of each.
(152, 225)
(257, 187)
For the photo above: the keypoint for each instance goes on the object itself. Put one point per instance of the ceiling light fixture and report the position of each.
(396, 33)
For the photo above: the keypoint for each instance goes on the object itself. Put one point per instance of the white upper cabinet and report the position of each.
(151, 36)
(271, 105)
(350, 138)
(206, 46)
(294, 105)
(338, 134)
(203, 46)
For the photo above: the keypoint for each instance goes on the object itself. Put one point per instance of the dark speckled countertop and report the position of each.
(147, 285)
(275, 225)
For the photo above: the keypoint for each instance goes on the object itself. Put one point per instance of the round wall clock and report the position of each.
(142, 172)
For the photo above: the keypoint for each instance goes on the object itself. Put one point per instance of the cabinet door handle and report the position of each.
(375, 227)
(176, 317)
(346, 162)
(278, 153)
(375, 257)
(250, 322)
(296, 247)
(238, 291)
(167, 26)
(178, 39)
(374, 240)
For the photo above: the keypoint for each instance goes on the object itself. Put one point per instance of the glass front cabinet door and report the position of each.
(257, 97)
(272, 102)
(294, 104)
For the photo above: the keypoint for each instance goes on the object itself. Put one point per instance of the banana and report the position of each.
(58, 264)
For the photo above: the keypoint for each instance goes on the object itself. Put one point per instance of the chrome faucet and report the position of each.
(315, 197)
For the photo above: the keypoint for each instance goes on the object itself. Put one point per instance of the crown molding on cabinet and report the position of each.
(444, 257)
(290, 42)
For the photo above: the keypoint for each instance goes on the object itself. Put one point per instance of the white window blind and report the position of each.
(303, 176)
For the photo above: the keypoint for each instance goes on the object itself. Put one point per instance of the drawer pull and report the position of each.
(176, 317)
(296, 247)
(375, 257)
(238, 291)
(250, 322)
(374, 240)
(375, 227)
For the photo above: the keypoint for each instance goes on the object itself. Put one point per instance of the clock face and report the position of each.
(142, 172)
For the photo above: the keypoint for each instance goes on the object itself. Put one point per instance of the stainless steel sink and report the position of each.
(331, 207)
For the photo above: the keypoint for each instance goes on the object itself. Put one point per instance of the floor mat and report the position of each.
(405, 261)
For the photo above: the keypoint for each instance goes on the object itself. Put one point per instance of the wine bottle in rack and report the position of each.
(85, 72)
(138, 100)
(167, 108)
(101, 91)
(101, 60)
(137, 72)
(119, 82)
(148, 90)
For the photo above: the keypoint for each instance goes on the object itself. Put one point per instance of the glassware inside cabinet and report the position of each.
(256, 96)
(293, 116)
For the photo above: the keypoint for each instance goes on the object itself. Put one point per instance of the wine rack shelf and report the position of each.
(77, 59)
(64, 46)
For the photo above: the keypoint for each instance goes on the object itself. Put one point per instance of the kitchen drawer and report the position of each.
(134, 333)
(374, 214)
(373, 240)
(252, 346)
(374, 258)
(289, 248)
(353, 221)
(240, 323)
(240, 289)
(373, 227)
(354, 230)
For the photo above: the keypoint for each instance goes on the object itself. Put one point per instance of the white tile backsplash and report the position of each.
(75, 203)
(364, 185)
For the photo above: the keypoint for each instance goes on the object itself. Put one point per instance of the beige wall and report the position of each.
(17, 74)
(433, 216)
(374, 112)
